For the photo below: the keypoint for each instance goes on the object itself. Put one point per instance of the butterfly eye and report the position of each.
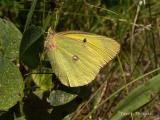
(75, 57)
(84, 40)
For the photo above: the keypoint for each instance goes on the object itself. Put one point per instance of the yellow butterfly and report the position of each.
(77, 57)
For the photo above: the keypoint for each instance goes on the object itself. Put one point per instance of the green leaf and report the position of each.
(31, 46)
(69, 116)
(11, 85)
(58, 97)
(20, 118)
(1, 113)
(10, 38)
(42, 79)
(137, 98)
(39, 93)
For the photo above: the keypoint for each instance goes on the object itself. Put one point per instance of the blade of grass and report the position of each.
(152, 36)
(119, 90)
(123, 73)
(44, 10)
(30, 14)
(132, 33)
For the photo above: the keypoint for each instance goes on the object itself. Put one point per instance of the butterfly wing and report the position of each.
(77, 57)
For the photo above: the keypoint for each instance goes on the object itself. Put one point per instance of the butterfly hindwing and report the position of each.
(77, 57)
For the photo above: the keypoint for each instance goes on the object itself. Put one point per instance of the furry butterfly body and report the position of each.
(77, 57)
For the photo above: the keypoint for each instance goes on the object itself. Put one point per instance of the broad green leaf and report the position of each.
(1, 113)
(11, 85)
(137, 98)
(69, 116)
(10, 38)
(58, 97)
(43, 79)
(31, 46)
(20, 118)
(39, 93)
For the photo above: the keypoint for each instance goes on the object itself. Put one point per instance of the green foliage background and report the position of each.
(135, 24)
